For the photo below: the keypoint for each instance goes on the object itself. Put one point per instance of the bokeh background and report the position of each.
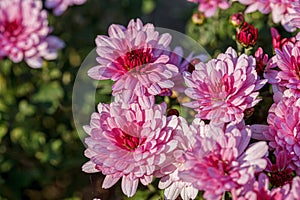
(40, 152)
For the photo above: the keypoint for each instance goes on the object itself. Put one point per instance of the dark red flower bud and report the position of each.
(261, 61)
(173, 112)
(247, 35)
(237, 19)
(248, 112)
(191, 66)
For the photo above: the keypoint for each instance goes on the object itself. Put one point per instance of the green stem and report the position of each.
(248, 51)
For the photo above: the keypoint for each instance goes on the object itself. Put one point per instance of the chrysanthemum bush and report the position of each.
(219, 154)
(25, 32)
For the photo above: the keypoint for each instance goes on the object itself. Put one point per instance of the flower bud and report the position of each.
(247, 35)
(261, 61)
(173, 112)
(198, 18)
(248, 112)
(191, 66)
(237, 19)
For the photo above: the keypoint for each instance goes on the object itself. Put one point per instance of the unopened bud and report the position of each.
(237, 19)
(198, 18)
(247, 35)
(173, 112)
(191, 66)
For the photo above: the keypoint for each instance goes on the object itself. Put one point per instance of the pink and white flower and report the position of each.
(24, 33)
(209, 7)
(220, 161)
(295, 18)
(131, 143)
(133, 58)
(287, 60)
(260, 190)
(284, 128)
(60, 6)
(285, 12)
(224, 87)
(295, 189)
(262, 6)
(172, 183)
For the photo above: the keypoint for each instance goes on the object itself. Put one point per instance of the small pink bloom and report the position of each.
(133, 58)
(220, 161)
(131, 143)
(224, 87)
(209, 7)
(60, 6)
(24, 33)
(284, 128)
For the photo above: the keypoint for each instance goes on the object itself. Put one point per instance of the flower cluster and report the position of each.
(136, 139)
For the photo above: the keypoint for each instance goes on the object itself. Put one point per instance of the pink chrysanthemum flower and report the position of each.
(131, 143)
(24, 33)
(255, 190)
(219, 160)
(172, 183)
(295, 18)
(224, 87)
(279, 42)
(288, 61)
(283, 11)
(60, 6)
(284, 128)
(262, 6)
(209, 7)
(280, 173)
(295, 189)
(133, 58)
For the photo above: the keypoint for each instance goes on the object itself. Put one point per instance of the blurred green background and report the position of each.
(40, 152)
